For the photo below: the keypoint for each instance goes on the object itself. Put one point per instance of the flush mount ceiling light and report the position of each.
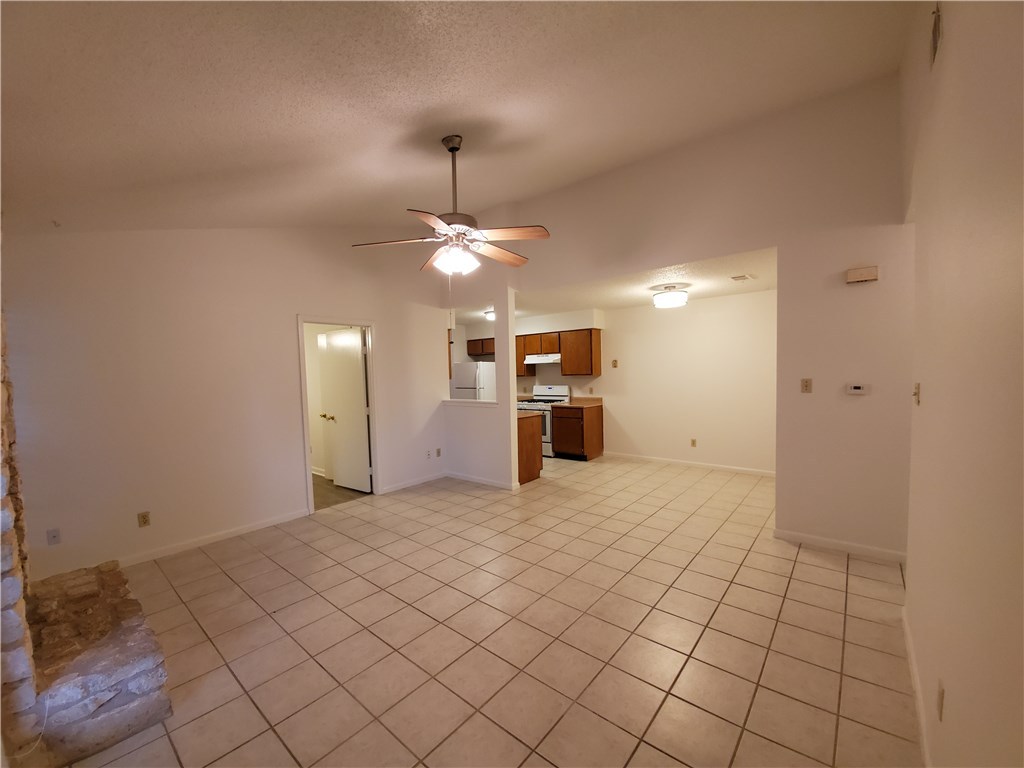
(460, 236)
(669, 295)
(489, 314)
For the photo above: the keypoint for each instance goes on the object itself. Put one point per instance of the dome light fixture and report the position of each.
(669, 295)
(489, 314)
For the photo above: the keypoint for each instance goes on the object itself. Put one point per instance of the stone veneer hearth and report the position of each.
(80, 669)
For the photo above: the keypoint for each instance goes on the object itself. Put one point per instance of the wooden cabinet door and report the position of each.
(531, 344)
(576, 353)
(488, 347)
(474, 347)
(549, 343)
(567, 434)
(522, 369)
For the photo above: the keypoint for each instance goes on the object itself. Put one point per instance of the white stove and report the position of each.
(543, 397)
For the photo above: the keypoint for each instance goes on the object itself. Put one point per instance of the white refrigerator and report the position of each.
(473, 381)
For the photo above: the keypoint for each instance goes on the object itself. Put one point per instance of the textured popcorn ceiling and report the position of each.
(181, 115)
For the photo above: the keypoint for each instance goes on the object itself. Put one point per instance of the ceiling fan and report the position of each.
(460, 235)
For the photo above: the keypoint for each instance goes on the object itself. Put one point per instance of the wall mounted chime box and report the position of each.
(862, 275)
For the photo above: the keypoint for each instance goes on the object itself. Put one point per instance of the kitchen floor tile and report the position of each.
(526, 708)
(201, 695)
(692, 735)
(317, 729)
(517, 643)
(793, 724)
(425, 718)
(720, 693)
(731, 654)
(877, 667)
(386, 683)
(678, 634)
(352, 655)
(478, 742)
(594, 636)
(583, 738)
(292, 690)
(218, 732)
(477, 675)
(325, 632)
(437, 648)
(858, 745)
(443, 603)
(402, 626)
(372, 747)
(757, 752)
(879, 707)
(621, 698)
(800, 680)
(564, 668)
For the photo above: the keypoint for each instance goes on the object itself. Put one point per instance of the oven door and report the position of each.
(545, 433)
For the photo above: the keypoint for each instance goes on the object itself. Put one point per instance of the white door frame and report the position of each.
(301, 320)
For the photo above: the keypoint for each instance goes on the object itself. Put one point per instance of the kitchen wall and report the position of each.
(159, 371)
(962, 131)
(843, 460)
(704, 371)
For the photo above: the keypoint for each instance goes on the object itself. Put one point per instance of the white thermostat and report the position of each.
(856, 389)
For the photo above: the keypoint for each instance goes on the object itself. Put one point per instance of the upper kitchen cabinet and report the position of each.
(581, 352)
(522, 369)
(479, 347)
(549, 343)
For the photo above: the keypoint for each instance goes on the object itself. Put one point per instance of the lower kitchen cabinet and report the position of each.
(531, 458)
(577, 431)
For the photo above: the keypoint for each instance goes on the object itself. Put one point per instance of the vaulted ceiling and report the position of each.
(206, 114)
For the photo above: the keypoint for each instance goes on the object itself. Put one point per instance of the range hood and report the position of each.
(542, 359)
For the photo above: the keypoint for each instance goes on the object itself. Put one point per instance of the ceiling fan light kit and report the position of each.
(461, 236)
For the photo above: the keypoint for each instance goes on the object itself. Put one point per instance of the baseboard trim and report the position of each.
(877, 553)
(484, 481)
(408, 483)
(915, 679)
(744, 470)
(173, 549)
(319, 471)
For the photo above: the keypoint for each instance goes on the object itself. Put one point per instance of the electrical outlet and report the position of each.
(941, 700)
(428, 453)
(53, 536)
(693, 442)
(437, 452)
(591, 390)
(143, 519)
(806, 386)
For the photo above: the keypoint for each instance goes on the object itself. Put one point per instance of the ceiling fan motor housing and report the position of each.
(452, 143)
(459, 221)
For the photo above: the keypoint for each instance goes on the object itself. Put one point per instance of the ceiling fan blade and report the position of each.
(535, 232)
(430, 262)
(499, 254)
(396, 242)
(430, 220)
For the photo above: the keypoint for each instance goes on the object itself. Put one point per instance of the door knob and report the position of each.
(323, 415)
(330, 418)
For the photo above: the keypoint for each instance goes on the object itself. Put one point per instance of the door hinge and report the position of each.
(917, 394)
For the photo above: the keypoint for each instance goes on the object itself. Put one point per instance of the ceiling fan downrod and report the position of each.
(453, 144)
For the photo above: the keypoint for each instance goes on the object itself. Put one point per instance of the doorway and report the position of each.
(337, 415)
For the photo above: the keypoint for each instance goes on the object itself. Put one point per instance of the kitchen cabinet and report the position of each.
(549, 343)
(522, 369)
(581, 352)
(531, 460)
(531, 343)
(478, 347)
(577, 431)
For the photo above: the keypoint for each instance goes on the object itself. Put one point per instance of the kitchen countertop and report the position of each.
(581, 402)
(527, 414)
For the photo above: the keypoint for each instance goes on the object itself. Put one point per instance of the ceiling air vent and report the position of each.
(741, 278)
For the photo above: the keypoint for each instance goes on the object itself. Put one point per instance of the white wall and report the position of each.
(963, 123)
(843, 460)
(560, 321)
(160, 371)
(704, 371)
(480, 437)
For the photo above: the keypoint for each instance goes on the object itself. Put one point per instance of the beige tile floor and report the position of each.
(610, 613)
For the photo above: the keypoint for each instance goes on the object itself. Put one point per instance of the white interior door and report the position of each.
(343, 398)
